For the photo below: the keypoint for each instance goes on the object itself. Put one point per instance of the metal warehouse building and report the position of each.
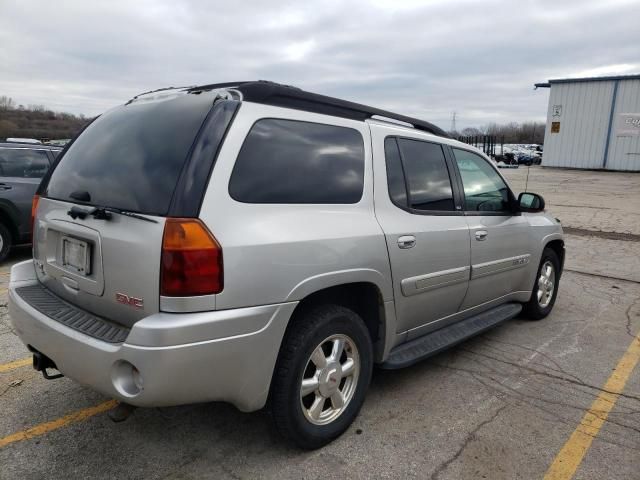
(593, 123)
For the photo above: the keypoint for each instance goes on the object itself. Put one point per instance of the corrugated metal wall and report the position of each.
(584, 126)
(624, 152)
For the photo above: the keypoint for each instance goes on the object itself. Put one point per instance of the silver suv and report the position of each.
(257, 244)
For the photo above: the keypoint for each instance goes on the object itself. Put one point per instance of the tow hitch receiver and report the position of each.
(41, 362)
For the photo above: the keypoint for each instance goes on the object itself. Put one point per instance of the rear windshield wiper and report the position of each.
(104, 213)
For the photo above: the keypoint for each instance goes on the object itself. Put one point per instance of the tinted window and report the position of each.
(285, 161)
(395, 174)
(427, 175)
(131, 156)
(484, 189)
(23, 163)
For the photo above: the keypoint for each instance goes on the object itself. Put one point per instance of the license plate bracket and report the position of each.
(76, 256)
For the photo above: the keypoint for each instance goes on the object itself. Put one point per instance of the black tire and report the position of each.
(533, 310)
(6, 241)
(307, 332)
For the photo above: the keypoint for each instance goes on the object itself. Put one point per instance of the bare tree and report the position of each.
(471, 131)
(7, 128)
(6, 103)
(513, 132)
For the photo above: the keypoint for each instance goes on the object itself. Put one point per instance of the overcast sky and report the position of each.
(421, 58)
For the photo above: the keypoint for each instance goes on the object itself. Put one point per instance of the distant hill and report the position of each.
(35, 121)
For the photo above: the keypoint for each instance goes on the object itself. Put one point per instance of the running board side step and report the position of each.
(435, 342)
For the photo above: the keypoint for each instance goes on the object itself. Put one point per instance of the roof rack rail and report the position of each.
(271, 93)
(391, 120)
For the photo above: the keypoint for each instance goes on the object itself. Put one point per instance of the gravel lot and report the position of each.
(500, 406)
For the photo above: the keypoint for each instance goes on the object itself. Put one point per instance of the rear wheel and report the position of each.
(321, 377)
(545, 289)
(5, 242)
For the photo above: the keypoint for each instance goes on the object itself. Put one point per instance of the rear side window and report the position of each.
(23, 163)
(395, 173)
(131, 157)
(425, 170)
(287, 161)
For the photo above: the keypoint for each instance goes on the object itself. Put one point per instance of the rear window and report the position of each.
(23, 163)
(131, 157)
(287, 161)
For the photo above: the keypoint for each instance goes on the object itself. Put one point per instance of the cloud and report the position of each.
(426, 59)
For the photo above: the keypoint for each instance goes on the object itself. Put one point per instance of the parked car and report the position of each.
(529, 158)
(508, 158)
(33, 141)
(22, 166)
(261, 245)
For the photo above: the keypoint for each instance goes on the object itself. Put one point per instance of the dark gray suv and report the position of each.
(22, 166)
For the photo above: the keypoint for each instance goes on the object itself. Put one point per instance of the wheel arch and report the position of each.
(557, 245)
(363, 297)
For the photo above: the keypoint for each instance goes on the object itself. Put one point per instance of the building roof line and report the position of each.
(587, 79)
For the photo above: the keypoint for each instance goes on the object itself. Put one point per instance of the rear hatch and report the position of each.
(100, 219)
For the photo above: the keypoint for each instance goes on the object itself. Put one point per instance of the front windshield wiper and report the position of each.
(104, 213)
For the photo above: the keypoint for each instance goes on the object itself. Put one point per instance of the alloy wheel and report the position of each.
(330, 379)
(546, 284)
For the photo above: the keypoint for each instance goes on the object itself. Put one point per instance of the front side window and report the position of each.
(484, 189)
(23, 163)
(427, 176)
(288, 161)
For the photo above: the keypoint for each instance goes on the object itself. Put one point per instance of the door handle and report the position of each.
(4, 186)
(406, 241)
(481, 235)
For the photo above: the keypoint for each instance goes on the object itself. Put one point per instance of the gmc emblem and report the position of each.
(131, 301)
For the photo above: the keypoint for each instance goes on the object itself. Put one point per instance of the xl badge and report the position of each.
(131, 301)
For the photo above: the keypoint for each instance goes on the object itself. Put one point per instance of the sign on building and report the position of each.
(628, 125)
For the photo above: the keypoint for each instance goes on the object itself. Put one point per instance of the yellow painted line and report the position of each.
(569, 458)
(5, 367)
(47, 427)
(3, 290)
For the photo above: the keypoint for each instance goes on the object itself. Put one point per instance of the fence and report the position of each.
(486, 143)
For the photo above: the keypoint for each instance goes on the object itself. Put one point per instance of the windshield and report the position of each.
(131, 157)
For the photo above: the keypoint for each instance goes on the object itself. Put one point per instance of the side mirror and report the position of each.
(530, 202)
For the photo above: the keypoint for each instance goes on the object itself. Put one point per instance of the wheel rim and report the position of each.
(1, 242)
(330, 379)
(546, 284)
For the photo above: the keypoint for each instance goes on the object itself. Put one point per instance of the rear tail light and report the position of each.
(34, 209)
(191, 259)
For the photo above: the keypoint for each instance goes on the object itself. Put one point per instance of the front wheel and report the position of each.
(545, 288)
(322, 375)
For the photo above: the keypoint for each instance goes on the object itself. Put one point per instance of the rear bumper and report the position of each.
(225, 355)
